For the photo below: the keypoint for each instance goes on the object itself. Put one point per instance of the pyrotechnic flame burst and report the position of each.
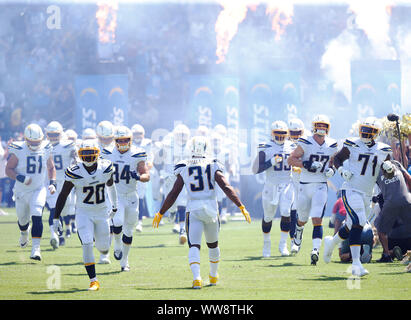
(106, 16)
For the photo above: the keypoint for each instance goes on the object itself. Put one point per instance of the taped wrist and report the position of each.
(54, 183)
(307, 165)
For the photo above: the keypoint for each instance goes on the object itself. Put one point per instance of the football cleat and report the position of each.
(366, 255)
(24, 238)
(182, 238)
(358, 270)
(197, 284)
(54, 242)
(295, 248)
(94, 286)
(224, 219)
(408, 268)
(397, 252)
(73, 228)
(104, 259)
(118, 254)
(126, 268)
(176, 228)
(35, 254)
(283, 249)
(328, 249)
(406, 260)
(314, 257)
(267, 249)
(62, 241)
(139, 228)
(213, 280)
(68, 233)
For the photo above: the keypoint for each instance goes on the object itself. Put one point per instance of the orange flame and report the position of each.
(226, 26)
(106, 16)
(281, 13)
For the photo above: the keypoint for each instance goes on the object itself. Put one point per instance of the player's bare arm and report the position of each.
(173, 195)
(295, 157)
(62, 197)
(227, 188)
(11, 172)
(143, 171)
(51, 169)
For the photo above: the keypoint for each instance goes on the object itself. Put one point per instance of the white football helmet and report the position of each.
(295, 128)
(88, 152)
(122, 138)
(199, 146)
(71, 135)
(54, 132)
(216, 141)
(221, 129)
(33, 135)
(89, 134)
(321, 125)
(105, 133)
(181, 134)
(369, 129)
(202, 131)
(279, 131)
(138, 133)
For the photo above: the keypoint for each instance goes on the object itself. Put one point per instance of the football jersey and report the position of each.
(198, 176)
(364, 163)
(315, 152)
(90, 187)
(31, 163)
(62, 157)
(281, 172)
(124, 164)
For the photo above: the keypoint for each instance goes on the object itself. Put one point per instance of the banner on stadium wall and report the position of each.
(376, 88)
(101, 97)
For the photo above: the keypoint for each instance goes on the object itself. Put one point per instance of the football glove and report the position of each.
(346, 174)
(135, 175)
(113, 212)
(245, 213)
(297, 169)
(157, 219)
(388, 166)
(329, 172)
(276, 159)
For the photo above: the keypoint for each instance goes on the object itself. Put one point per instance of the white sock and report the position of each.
(182, 226)
(117, 241)
(317, 244)
(35, 242)
(194, 261)
(337, 240)
(214, 255)
(284, 236)
(267, 236)
(355, 254)
(125, 249)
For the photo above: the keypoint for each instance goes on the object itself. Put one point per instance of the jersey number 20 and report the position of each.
(98, 191)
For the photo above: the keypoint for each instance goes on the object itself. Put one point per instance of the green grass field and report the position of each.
(160, 270)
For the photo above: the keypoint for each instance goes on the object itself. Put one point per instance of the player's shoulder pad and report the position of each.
(16, 145)
(332, 143)
(219, 164)
(351, 142)
(47, 145)
(105, 151)
(139, 154)
(67, 144)
(72, 173)
(107, 165)
(262, 146)
(180, 164)
(384, 147)
(304, 140)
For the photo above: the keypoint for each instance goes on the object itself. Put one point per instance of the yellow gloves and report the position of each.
(245, 214)
(157, 219)
(297, 169)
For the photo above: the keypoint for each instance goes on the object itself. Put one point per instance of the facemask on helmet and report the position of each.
(104, 133)
(88, 153)
(54, 132)
(122, 138)
(321, 125)
(279, 132)
(33, 135)
(369, 129)
(138, 133)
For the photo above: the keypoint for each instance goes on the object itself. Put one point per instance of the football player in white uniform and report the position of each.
(140, 141)
(28, 163)
(313, 155)
(278, 189)
(129, 168)
(199, 175)
(364, 157)
(221, 153)
(63, 153)
(175, 149)
(90, 179)
(295, 131)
